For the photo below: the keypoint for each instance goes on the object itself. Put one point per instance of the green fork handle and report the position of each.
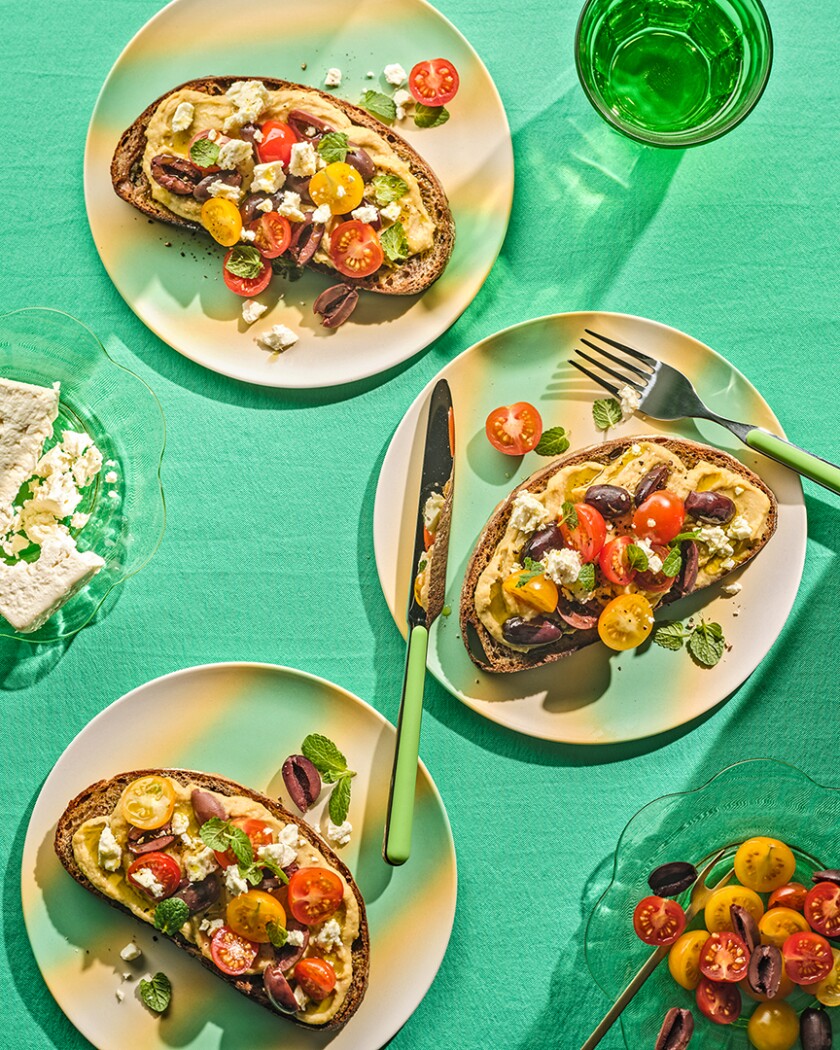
(400, 816)
(810, 466)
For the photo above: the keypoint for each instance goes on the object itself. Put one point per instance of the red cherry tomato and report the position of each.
(231, 953)
(316, 977)
(667, 513)
(721, 1003)
(278, 139)
(791, 895)
(247, 287)
(658, 920)
(259, 833)
(355, 249)
(807, 958)
(514, 429)
(434, 83)
(273, 234)
(588, 536)
(314, 895)
(822, 909)
(164, 869)
(614, 563)
(655, 582)
(724, 957)
(220, 140)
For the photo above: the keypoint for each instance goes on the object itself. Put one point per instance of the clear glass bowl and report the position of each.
(756, 797)
(123, 416)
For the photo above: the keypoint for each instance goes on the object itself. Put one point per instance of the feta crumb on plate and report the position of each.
(333, 77)
(130, 952)
(252, 310)
(277, 339)
(395, 74)
(339, 834)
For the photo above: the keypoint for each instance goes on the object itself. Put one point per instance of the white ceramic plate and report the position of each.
(593, 696)
(178, 291)
(240, 720)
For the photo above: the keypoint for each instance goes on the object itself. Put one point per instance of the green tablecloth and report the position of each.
(735, 242)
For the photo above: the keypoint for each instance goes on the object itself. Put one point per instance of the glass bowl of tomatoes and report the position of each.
(777, 828)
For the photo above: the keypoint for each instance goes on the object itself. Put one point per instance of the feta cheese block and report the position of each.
(27, 414)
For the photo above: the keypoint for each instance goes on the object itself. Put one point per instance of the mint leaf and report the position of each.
(430, 116)
(394, 243)
(707, 643)
(670, 635)
(214, 833)
(252, 873)
(245, 261)
(240, 846)
(606, 412)
(673, 562)
(156, 993)
(532, 569)
(274, 868)
(388, 188)
(340, 800)
(334, 146)
(636, 557)
(568, 515)
(586, 577)
(553, 442)
(170, 915)
(380, 106)
(685, 536)
(323, 754)
(204, 153)
(278, 935)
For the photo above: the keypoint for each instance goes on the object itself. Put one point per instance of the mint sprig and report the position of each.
(380, 106)
(568, 515)
(673, 562)
(553, 442)
(340, 801)
(430, 116)
(586, 577)
(332, 765)
(395, 243)
(532, 569)
(705, 642)
(334, 146)
(157, 993)
(636, 558)
(245, 261)
(278, 935)
(170, 915)
(606, 412)
(204, 153)
(388, 188)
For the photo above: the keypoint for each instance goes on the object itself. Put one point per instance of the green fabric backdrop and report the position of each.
(735, 242)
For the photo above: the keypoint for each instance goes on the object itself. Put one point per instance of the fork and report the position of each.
(665, 393)
(700, 894)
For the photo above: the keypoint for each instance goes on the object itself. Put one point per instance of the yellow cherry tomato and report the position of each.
(779, 923)
(222, 220)
(827, 990)
(148, 803)
(538, 591)
(250, 913)
(625, 622)
(339, 185)
(684, 958)
(786, 987)
(717, 912)
(773, 1026)
(764, 864)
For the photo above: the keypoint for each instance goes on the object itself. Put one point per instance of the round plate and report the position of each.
(593, 696)
(240, 720)
(178, 291)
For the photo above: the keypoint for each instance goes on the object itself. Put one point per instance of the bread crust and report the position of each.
(415, 275)
(100, 799)
(498, 658)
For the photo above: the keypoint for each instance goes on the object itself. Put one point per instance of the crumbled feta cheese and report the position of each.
(209, 926)
(277, 852)
(295, 938)
(527, 512)
(322, 214)
(277, 339)
(109, 853)
(654, 561)
(250, 98)
(370, 74)
(629, 399)
(111, 477)
(252, 311)
(130, 952)
(56, 494)
(268, 178)
(144, 877)
(290, 206)
(395, 74)
(365, 213)
(302, 161)
(391, 212)
(120, 994)
(183, 116)
(180, 822)
(234, 154)
(329, 935)
(740, 528)
(199, 865)
(290, 836)
(267, 205)
(333, 77)
(563, 565)
(432, 511)
(339, 834)
(257, 135)
(651, 523)
(738, 490)
(224, 191)
(302, 997)
(732, 588)
(249, 236)
(715, 540)
(234, 883)
(636, 449)
(212, 135)
(727, 564)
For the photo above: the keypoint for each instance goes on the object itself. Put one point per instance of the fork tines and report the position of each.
(638, 383)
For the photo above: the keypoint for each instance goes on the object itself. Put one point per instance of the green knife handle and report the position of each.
(810, 466)
(404, 778)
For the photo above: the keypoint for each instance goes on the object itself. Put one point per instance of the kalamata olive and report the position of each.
(206, 806)
(299, 184)
(176, 174)
(655, 479)
(581, 617)
(150, 845)
(815, 1029)
(745, 926)
(711, 507)
(359, 159)
(248, 208)
(229, 178)
(335, 304)
(676, 1031)
(279, 991)
(832, 875)
(544, 540)
(289, 954)
(765, 970)
(611, 500)
(200, 895)
(307, 242)
(308, 126)
(687, 576)
(670, 880)
(302, 780)
(539, 631)
(248, 132)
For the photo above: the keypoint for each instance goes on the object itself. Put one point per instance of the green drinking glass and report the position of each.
(673, 72)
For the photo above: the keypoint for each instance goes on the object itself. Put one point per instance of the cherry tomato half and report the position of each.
(721, 1003)
(588, 536)
(764, 864)
(231, 953)
(718, 915)
(314, 894)
(277, 141)
(272, 234)
(822, 909)
(539, 592)
(148, 803)
(339, 185)
(724, 957)
(249, 914)
(514, 429)
(259, 834)
(684, 958)
(655, 582)
(625, 622)
(247, 286)
(355, 249)
(165, 870)
(434, 83)
(773, 1026)
(222, 220)
(658, 920)
(808, 958)
(614, 563)
(220, 140)
(791, 895)
(827, 990)
(666, 511)
(778, 924)
(316, 977)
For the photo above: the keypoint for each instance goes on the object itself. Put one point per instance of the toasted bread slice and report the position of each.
(491, 655)
(415, 275)
(100, 799)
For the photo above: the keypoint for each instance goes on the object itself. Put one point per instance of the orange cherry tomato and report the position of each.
(514, 429)
(538, 592)
(148, 802)
(315, 894)
(339, 186)
(667, 513)
(625, 622)
(355, 249)
(249, 915)
(222, 221)
(316, 977)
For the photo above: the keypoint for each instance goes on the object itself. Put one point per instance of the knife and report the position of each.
(424, 606)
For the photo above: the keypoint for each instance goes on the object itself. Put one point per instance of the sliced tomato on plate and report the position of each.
(434, 83)
(658, 920)
(791, 895)
(721, 1003)
(247, 287)
(514, 429)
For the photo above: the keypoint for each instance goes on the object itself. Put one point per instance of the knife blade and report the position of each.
(425, 602)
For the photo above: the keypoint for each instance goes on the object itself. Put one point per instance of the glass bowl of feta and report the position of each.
(81, 500)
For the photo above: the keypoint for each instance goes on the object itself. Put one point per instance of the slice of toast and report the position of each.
(491, 655)
(100, 799)
(415, 275)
